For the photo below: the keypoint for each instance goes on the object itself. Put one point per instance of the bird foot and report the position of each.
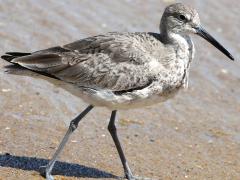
(140, 178)
(131, 177)
(44, 173)
(49, 177)
(42, 170)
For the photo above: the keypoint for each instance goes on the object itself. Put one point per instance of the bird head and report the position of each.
(182, 19)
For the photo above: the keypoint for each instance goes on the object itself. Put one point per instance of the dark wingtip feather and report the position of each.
(8, 57)
(17, 54)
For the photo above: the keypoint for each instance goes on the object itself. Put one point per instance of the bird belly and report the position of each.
(136, 99)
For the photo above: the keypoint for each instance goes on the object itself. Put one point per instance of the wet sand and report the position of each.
(193, 136)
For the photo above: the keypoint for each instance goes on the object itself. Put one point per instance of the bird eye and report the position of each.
(182, 17)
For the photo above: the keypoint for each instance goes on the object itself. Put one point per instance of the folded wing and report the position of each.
(116, 62)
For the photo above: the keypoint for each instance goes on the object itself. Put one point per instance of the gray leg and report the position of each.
(72, 127)
(113, 131)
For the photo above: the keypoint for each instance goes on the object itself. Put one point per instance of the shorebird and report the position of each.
(123, 70)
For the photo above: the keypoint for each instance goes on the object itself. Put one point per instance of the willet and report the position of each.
(123, 70)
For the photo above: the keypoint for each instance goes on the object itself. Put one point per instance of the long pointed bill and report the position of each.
(204, 34)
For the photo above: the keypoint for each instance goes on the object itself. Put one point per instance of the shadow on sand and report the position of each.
(60, 168)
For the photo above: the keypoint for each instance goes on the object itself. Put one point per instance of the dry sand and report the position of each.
(193, 136)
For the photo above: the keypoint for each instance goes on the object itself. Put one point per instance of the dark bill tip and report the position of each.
(204, 34)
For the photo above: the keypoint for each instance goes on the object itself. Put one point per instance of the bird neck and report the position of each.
(181, 42)
(169, 37)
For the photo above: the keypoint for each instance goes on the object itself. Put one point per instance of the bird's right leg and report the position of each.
(113, 131)
(72, 127)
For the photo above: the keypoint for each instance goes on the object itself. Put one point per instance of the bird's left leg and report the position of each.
(73, 125)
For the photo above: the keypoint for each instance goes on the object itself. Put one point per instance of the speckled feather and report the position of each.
(121, 70)
(114, 61)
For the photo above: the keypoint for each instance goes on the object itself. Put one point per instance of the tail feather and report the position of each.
(9, 56)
